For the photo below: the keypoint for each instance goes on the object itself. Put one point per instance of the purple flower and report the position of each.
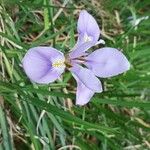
(103, 62)
(46, 64)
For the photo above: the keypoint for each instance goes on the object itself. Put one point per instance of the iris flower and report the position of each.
(46, 64)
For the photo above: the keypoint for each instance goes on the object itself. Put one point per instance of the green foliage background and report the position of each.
(39, 117)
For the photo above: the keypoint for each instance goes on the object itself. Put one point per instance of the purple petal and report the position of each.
(87, 26)
(48, 52)
(89, 33)
(83, 94)
(87, 78)
(49, 77)
(107, 62)
(80, 50)
(38, 64)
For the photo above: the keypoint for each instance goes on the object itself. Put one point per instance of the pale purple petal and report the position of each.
(87, 25)
(87, 78)
(89, 33)
(83, 94)
(107, 62)
(48, 52)
(37, 64)
(50, 76)
(80, 50)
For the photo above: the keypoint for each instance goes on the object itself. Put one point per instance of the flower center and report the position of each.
(87, 38)
(58, 63)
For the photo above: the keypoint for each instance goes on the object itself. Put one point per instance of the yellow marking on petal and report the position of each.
(58, 64)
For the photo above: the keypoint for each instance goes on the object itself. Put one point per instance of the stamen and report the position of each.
(100, 42)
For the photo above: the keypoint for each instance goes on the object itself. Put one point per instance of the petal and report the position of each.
(37, 64)
(87, 78)
(107, 62)
(80, 50)
(48, 52)
(89, 33)
(87, 26)
(50, 76)
(83, 94)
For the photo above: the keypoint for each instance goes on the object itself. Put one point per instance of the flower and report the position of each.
(46, 64)
(103, 62)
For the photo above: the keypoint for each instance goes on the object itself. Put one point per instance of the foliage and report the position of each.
(39, 117)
